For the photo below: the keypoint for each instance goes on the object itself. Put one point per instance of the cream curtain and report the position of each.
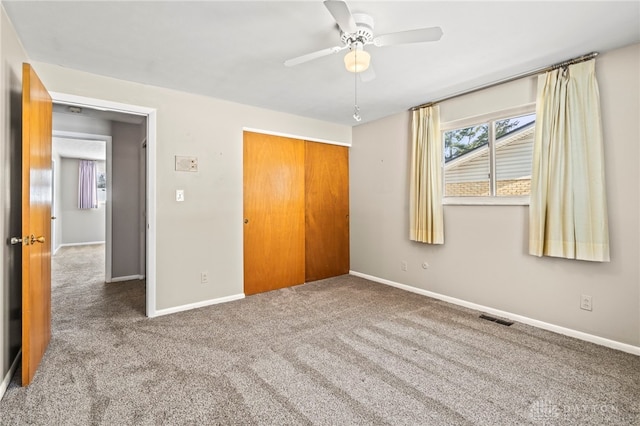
(568, 209)
(425, 209)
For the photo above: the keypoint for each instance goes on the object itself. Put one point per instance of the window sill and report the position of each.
(486, 201)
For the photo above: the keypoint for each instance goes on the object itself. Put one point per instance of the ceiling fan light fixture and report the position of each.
(357, 60)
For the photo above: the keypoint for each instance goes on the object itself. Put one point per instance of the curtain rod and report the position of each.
(566, 63)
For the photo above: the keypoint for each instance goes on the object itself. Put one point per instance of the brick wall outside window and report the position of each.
(513, 187)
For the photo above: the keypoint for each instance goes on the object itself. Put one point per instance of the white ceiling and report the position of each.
(80, 148)
(235, 50)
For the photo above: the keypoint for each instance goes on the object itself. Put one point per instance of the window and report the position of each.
(489, 158)
(102, 182)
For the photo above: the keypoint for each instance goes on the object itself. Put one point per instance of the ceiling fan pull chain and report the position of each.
(356, 109)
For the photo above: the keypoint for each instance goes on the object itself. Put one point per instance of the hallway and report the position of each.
(77, 272)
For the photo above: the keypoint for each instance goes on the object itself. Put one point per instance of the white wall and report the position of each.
(484, 259)
(126, 188)
(79, 123)
(12, 55)
(56, 224)
(205, 231)
(77, 226)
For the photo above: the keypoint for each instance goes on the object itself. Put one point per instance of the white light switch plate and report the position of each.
(179, 194)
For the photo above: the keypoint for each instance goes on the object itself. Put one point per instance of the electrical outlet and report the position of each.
(403, 265)
(204, 277)
(585, 302)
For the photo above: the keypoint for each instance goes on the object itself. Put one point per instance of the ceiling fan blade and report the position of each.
(313, 55)
(368, 75)
(412, 36)
(341, 13)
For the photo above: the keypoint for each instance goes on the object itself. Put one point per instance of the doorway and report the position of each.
(70, 224)
(123, 121)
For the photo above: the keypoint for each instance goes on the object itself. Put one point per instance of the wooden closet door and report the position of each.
(274, 203)
(326, 210)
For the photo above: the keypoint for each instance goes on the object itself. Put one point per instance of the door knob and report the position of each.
(35, 239)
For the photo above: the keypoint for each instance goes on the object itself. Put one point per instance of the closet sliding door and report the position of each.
(274, 224)
(326, 211)
(296, 212)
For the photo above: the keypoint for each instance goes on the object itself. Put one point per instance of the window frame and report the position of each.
(496, 200)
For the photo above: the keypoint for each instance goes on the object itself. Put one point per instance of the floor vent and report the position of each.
(496, 320)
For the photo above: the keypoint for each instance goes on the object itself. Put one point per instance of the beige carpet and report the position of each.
(341, 351)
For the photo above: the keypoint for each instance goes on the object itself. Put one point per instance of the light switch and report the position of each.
(179, 194)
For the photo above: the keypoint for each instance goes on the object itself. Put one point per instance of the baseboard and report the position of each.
(126, 278)
(88, 243)
(624, 347)
(196, 305)
(9, 375)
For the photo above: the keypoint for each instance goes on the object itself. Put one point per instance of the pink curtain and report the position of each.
(87, 185)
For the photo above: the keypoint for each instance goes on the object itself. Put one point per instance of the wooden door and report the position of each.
(273, 212)
(36, 222)
(326, 211)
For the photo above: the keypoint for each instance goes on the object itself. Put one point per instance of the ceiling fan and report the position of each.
(356, 32)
